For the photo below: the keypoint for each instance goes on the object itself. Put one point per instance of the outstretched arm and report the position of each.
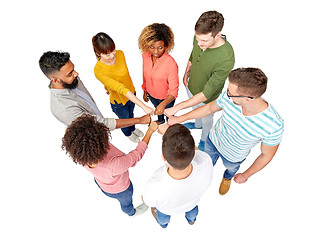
(196, 99)
(120, 123)
(135, 100)
(196, 113)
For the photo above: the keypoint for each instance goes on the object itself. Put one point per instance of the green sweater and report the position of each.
(210, 69)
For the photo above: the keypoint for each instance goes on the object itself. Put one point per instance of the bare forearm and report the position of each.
(267, 154)
(121, 123)
(136, 101)
(201, 111)
(187, 73)
(151, 129)
(167, 100)
(258, 164)
(198, 98)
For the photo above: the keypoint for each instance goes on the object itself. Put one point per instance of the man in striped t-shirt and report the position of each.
(247, 119)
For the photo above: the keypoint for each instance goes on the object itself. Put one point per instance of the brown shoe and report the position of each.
(154, 212)
(225, 186)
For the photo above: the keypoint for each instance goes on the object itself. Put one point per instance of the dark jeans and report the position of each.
(124, 112)
(124, 198)
(156, 102)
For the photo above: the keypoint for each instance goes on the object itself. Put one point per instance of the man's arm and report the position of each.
(196, 99)
(187, 73)
(120, 123)
(196, 113)
(267, 154)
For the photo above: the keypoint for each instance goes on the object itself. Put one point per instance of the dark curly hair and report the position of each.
(178, 146)
(86, 140)
(154, 33)
(250, 81)
(53, 61)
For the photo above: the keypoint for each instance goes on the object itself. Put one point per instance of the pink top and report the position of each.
(162, 78)
(112, 173)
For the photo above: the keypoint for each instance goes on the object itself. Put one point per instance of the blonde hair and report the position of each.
(156, 32)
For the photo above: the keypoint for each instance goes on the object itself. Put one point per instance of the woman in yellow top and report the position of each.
(112, 71)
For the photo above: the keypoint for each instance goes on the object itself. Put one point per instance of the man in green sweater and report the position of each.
(209, 65)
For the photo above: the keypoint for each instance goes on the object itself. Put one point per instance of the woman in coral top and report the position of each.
(160, 71)
(112, 71)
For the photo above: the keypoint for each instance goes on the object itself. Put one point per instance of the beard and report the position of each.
(71, 85)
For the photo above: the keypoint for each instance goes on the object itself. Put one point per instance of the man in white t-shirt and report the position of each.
(177, 187)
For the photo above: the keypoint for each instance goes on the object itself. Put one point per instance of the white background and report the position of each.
(44, 195)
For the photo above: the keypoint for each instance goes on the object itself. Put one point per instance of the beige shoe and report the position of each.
(225, 186)
(140, 210)
(138, 132)
(133, 137)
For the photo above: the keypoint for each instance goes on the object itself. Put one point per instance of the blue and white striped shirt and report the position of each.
(234, 135)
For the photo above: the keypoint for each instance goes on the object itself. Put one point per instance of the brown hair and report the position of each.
(86, 140)
(154, 33)
(250, 81)
(102, 43)
(209, 22)
(178, 146)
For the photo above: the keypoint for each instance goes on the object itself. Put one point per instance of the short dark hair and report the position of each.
(86, 140)
(250, 81)
(209, 22)
(178, 146)
(53, 61)
(102, 43)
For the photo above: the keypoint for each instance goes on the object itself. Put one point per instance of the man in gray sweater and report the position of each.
(69, 97)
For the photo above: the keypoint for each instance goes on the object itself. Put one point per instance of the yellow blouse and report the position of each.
(115, 78)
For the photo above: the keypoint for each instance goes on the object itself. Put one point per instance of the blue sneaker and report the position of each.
(191, 125)
(201, 146)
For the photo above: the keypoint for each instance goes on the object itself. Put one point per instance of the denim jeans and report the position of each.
(124, 112)
(156, 102)
(164, 219)
(206, 122)
(124, 198)
(231, 167)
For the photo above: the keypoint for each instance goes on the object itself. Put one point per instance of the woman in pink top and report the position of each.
(87, 142)
(160, 71)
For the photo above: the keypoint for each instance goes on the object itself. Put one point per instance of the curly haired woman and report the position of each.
(160, 71)
(87, 142)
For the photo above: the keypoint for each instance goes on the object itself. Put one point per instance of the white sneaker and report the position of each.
(138, 132)
(140, 210)
(133, 137)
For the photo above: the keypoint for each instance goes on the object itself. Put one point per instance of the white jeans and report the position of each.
(206, 122)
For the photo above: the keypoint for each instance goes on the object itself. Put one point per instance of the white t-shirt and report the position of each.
(171, 196)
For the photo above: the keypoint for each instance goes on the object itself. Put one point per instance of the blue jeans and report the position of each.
(231, 167)
(124, 198)
(164, 219)
(206, 123)
(124, 112)
(156, 102)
